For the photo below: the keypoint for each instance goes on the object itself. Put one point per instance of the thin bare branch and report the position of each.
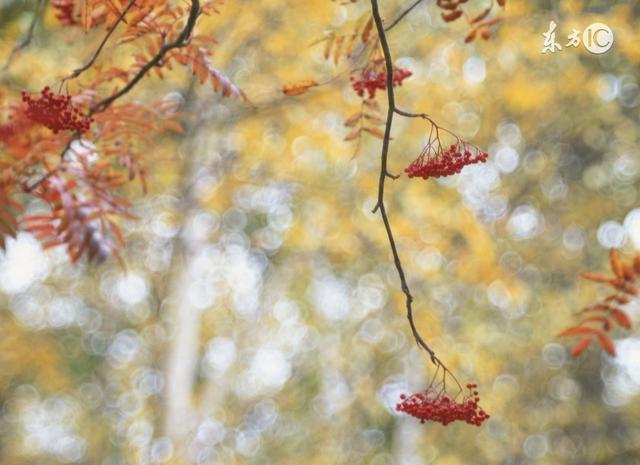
(402, 15)
(103, 104)
(383, 176)
(93, 59)
(180, 41)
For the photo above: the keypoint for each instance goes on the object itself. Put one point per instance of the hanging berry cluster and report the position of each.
(434, 163)
(55, 112)
(438, 406)
(374, 77)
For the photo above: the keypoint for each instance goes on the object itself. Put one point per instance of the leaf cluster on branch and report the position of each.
(74, 151)
(599, 319)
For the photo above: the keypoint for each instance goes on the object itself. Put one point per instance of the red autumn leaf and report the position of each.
(606, 343)
(581, 346)
(578, 331)
(451, 16)
(621, 318)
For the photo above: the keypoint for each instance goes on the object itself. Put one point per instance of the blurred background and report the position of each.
(260, 319)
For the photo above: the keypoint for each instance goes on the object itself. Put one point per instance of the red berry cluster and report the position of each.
(55, 112)
(373, 79)
(442, 408)
(448, 162)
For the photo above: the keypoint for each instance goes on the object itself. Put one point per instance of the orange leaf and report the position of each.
(629, 289)
(600, 319)
(451, 16)
(352, 120)
(621, 318)
(299, 87)
(616, 264)
(327, 47)
(375, 132)
(486, 34)
(618, 299)
(471, 36)
(578, 331)
(606, 343)
(596, 277)
(353, 134)
(481, 16)
(628, 272)
(367, 30)
(581, 346)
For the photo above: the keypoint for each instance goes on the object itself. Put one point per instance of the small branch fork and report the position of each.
(180, 41)
(402, 15)
(94, 57)
(103, 104)
(384, 173)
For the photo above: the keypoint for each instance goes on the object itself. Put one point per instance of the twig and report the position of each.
(383, 176)
(90, 63)
(179, 42)
(28, 37)
(402, 15)
(103, 104)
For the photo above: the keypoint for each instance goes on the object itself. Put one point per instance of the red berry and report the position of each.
(55, 112)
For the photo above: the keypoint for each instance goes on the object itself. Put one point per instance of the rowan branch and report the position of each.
(103, 104)
(391, 109)
(181, 41)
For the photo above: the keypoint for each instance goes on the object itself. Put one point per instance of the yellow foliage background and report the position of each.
(260, 318)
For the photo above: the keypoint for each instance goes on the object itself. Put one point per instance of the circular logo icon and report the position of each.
(597, 38)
